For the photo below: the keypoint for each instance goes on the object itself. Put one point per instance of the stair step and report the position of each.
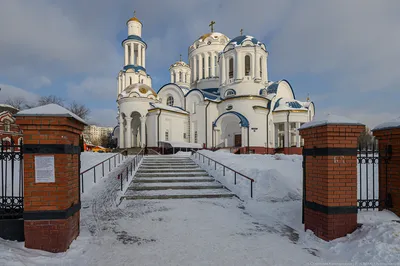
(177, 192)
(171, 175)
(172, 187)
(143, 171)
(194, 196)
(169, 180)
(169, 167)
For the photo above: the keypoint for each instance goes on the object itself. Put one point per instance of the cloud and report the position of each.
(8, 91)
(94, 89)
(39, 82)
(103, 117)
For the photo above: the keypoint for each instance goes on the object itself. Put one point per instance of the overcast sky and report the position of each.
(345, 53)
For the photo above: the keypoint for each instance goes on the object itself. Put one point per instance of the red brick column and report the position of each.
(330, 174)
(51, 209)
(389, 168)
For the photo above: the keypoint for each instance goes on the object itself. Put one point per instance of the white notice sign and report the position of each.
(44, 169)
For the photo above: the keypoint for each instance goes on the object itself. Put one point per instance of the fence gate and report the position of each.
(371, 179)
(12, 184)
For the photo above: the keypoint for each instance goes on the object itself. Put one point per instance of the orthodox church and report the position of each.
(222, 99)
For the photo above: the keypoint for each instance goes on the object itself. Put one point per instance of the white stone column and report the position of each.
(252, 66)
(132, 60)
(238, 66)
(244, 136)
(194, 75)
(216, 65)
(128, 136)
(223, 71)
(144, 57)
(121, 132)
(257, 63)
(139, 59)
(143, 131)
(126, 55)
(200, 66)
(212, 74)
(123, 81)
(286, 143)
(298, 137)
(206, 72)
(172, 76)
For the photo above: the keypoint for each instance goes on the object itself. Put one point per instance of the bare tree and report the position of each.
(17, 102)
(79, 109)
(50, 99)
(366, 139)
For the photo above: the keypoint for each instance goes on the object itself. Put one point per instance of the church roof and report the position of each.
(245, 40)
(179, 63)
(283, 104)
(214, 35)
(134, 37)
(134, 67)
(142, 90)
(168, 108)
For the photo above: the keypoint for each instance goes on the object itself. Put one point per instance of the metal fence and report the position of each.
(11, 175)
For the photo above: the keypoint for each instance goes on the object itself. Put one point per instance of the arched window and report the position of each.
(198, 69)
(142, 81)
(130, 81)
(247, 65)
(170, 101)
(230, 92)
(174, 77)
(7, 126)
(166, 135)
(230, 67)
(185, 75)
(180, 76)
(261, 68)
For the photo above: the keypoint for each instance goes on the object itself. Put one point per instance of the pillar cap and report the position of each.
(50, 110)
(330, 119)
(395, 123)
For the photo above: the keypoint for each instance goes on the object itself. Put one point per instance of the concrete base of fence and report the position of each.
(12, 229)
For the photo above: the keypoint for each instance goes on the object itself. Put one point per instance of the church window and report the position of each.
(247, 65)
(230, 92)
(129, 55)
(231, 68)
(170, 101)
(142, 81)
(194, 108)
(185, 76)
(198, 69)
(180, 76)
(174, 81)
(7, 127)
(261, 68)
(203, 67)
(130, 81)
(166, 135)
(184, 135)
(195, 137)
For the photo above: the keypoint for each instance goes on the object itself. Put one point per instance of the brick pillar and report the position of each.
(330, 174)
(389, 167)
(51, 202)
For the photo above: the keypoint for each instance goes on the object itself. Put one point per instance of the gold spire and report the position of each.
(241, 32)
(212, 25)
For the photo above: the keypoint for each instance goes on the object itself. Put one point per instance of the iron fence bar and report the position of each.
(360, 166)
(251, 188)
(83, 190)
(373, 174)
(102, 166)
(235, 178)
(366, 174)
(120, 176)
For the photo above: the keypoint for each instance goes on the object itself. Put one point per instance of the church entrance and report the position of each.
(238, 140)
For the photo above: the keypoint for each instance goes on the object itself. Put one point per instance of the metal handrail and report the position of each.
(227, 167)
(132, 164)
(102, 164)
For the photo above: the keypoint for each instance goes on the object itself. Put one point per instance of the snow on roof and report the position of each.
(283, 104)
(178, 144)
(329, 119)
(7, 106)
(50, 110)
(167, 107)
(395, 123)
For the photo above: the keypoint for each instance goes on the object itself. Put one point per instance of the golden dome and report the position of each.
(134, 18)
(204, 36)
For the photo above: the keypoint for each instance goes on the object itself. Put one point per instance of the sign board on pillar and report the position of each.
(44, 169)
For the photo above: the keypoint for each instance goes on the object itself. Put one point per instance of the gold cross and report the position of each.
(241, 32)
(212, 25)
(134, 13)
(180, 57)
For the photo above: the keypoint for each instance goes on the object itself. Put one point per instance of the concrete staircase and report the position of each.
(173, 177)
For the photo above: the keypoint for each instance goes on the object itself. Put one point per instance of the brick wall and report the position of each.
(51, 210)
(331, 179)
(389, 168)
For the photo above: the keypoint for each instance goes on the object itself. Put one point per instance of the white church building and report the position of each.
(222, 99)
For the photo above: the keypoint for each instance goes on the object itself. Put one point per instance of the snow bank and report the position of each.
(277, 177)
(329, 119)
(389, 124)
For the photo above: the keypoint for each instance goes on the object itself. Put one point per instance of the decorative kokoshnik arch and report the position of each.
(244, 123)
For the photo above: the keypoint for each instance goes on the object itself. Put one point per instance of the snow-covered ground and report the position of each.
(265, 230)
(277, 199)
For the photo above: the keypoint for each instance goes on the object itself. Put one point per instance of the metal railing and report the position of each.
(111, 161)
(132, 165)
(224, 167)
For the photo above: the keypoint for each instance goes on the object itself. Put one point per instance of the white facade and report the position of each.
(223, 98)
(93, 132)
